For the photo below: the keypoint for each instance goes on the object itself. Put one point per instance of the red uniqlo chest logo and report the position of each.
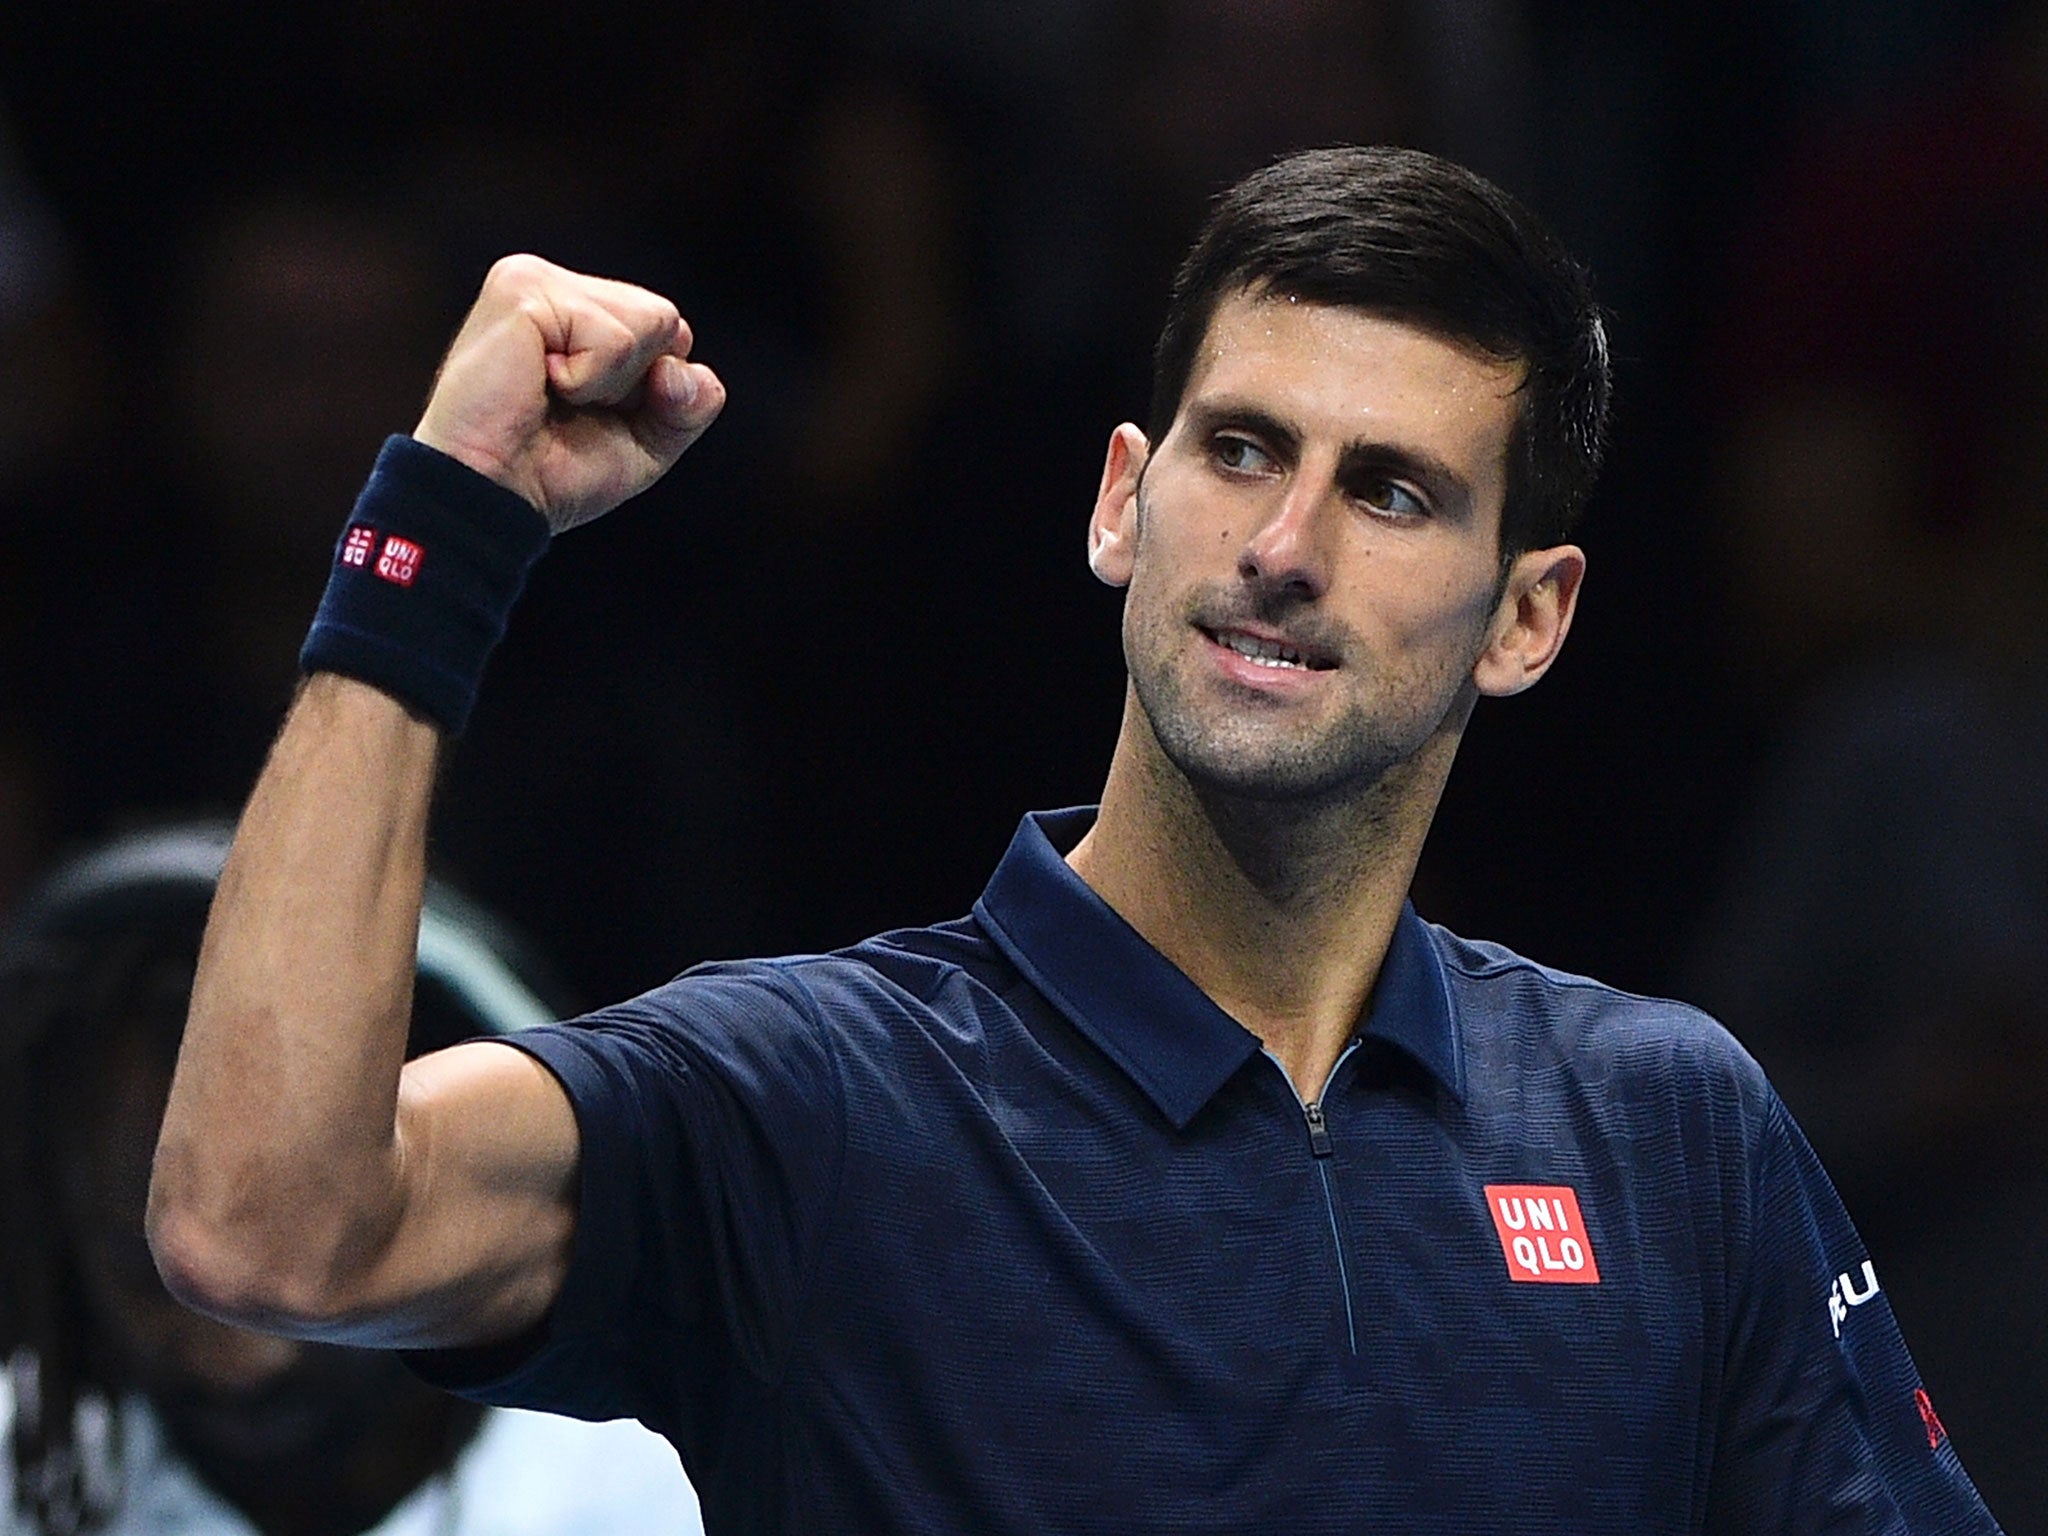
(1542, 1235)
(400, 561)
(358, 546)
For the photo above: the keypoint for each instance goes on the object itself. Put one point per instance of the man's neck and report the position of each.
(1281, 913)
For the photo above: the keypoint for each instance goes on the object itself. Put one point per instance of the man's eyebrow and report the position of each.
(1206, 416)
(1448, 491)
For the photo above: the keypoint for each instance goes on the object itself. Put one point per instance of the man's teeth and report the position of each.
(1267, 653)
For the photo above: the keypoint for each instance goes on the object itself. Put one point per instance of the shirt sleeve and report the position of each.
(711, 1121)
(1824, 1423)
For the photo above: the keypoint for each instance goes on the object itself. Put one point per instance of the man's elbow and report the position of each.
(236, 1271)
(198, 1268)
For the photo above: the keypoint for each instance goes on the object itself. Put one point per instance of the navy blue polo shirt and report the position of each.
(1003, 1226)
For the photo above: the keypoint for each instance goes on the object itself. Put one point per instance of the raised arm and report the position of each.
(306, 1180)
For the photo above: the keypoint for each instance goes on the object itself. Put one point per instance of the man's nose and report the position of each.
(1289, 548)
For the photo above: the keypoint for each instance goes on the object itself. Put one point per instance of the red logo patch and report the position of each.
(358, 546)
(1542, 1235)
(1929, 1418)
(400, 561)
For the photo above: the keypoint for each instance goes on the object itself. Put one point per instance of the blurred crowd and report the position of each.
(1791, 767)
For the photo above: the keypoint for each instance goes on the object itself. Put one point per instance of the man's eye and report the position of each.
(1240, 453)
(1392, 498)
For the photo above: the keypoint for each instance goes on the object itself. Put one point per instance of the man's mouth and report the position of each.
(1263, 651)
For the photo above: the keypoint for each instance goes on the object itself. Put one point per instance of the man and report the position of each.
(121, 1411)
(1191, 1183)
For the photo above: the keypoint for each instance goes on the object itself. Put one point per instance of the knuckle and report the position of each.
(517, 272)
(651, 323)
(615, 335)
(649, 313)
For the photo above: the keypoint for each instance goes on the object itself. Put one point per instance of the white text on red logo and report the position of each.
(1542, 1235)
(400, 561)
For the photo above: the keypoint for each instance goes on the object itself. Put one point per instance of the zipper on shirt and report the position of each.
(1318, 1128)
(1320, 1148)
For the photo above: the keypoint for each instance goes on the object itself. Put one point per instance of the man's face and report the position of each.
(1312, 552)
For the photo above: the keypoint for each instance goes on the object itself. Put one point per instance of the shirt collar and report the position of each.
(1141, 1009)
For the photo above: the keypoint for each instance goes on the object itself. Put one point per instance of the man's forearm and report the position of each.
(277, 1172)
(296, 1187)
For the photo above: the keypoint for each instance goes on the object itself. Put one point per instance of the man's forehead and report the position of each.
(1245, 306)
(1351, 364)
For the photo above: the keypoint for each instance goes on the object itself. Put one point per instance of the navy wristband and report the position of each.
(425, 575)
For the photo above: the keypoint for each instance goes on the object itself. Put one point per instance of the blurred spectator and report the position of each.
(1858, 371)
(1878, 939)
(1877, 944)
(122, 1412)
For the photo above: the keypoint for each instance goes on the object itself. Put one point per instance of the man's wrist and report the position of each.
(425, 574)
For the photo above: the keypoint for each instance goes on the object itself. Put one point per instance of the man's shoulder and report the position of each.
(933, 969)
(820, 1030)
(1518, 1017)
(916, 964)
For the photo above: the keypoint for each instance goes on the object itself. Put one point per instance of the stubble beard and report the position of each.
(1354, 758)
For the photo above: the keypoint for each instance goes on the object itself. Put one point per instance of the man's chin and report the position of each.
(316, 1409)
(1275, 775)
(1299, 759)
(280, 1431)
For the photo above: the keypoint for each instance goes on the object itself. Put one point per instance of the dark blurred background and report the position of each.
(1792, 765)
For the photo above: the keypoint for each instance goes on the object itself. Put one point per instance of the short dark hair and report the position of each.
(1419, 240)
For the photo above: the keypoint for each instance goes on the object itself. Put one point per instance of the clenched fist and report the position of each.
(577, 392)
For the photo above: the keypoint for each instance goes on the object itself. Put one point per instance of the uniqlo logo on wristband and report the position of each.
(400, 561)
(1542, 1235)
(360, 544)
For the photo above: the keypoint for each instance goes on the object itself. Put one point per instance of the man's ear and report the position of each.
(1113, 529)
(1529, 625)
